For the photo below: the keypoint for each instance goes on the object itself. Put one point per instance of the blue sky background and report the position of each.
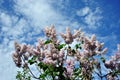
(23, 21)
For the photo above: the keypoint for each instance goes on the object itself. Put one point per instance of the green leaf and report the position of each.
(47, 71)
(32, 60)
(77, 46)
(56, 73)
(19, 75)
(40, 64)
(42, 76)
(47, 41)
(29, 78)
(43, 66)
(51, 68)
(61, 46)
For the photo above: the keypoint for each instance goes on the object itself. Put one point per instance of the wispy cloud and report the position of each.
(38, 13)
(90, 17)
(83, 12)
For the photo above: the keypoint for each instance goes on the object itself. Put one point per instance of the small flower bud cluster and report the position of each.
(114, 62)
(23, 52)
(16, 59)
(92, 47)
(69, 67)
(68, 37)
(50, 32)
(19, 50)
(53, 56)
(87, 67)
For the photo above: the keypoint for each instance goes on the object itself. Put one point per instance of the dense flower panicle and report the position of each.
(91, 46)
(68, 37)
(30, 50)
(110, 64)
(53, 56)
(93, 38)
(40, 43)
(48, 61)
(76, 33)
(99, 45)
(69, 67)
(61, 53)
(35, 52)
(16, 55)
(17, 47)
(23, 49)
(94, 46)
(16, 59)
(114, 62)
(50, 32)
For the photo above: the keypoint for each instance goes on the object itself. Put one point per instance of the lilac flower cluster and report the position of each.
(68, 37)
(114, 62)
(51, 52)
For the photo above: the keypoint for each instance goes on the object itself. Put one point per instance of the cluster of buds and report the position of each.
(19, 51)
(45, 55)
(87, 68)
(50, 32)
(114, 62)
(53, 56)
(69, 68)
(92, 47)
(68, 37)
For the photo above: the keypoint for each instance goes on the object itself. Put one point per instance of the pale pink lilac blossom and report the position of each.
(50, 54)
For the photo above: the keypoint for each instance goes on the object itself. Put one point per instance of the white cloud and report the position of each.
(38, 13)
(11, 29)
(5, 19)
(83, 11)
(91, 17)
(7, 67)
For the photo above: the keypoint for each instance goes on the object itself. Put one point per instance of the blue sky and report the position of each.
(23, 21)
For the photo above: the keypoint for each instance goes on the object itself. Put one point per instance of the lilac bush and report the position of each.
(56, 60)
